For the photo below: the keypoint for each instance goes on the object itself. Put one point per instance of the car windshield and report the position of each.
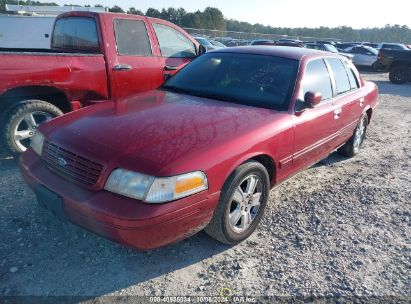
(203, 41)
(248, 79)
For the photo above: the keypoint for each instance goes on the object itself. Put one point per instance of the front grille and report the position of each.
(71, 166)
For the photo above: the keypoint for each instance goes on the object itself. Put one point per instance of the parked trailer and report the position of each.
(26, 32)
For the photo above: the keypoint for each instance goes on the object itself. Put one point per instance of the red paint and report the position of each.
(88, 78)
(163, 134)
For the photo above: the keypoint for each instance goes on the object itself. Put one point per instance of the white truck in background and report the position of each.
(26, 32)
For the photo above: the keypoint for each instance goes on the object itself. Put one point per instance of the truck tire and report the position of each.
(241, 205)
(399, 74)
(21, 120)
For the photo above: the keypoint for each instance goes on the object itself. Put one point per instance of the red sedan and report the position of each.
(202, 151)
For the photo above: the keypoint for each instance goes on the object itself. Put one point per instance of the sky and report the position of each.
(282, 13)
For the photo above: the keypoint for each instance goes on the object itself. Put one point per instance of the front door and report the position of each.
(176, 49)
(136, 67)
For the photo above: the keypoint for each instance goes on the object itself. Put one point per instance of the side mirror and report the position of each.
(311, 99)
(201, 50)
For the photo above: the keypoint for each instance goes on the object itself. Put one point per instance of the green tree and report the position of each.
(116, 9)
(152, 12)
(134, 11)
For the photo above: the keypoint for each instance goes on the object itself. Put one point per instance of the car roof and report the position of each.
(279, 51)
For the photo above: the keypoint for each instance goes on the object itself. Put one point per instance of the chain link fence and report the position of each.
(231, 38)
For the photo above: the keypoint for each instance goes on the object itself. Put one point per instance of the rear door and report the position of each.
(176, 49)
(136, 68)
(316, 129)
(347, 100)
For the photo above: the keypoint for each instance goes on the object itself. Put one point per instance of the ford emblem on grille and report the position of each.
(61, 161)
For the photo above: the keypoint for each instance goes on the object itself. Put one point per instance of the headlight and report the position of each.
(155, 190)
(37, 142)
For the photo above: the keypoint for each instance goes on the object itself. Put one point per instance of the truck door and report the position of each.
(136, 68)
(176, 49)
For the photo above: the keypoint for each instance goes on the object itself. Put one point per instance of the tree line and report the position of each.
(213, 18)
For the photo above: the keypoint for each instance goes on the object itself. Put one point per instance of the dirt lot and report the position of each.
(342, 227)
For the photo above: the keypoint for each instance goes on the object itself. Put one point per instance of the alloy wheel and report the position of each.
(26, 127)
(245, 203)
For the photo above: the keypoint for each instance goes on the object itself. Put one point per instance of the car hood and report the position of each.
(151, 131)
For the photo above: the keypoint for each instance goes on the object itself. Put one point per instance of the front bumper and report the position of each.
(127, 221)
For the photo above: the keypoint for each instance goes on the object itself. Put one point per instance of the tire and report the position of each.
(352, 147)
(21, 120)
(223, 227)
(399, 74)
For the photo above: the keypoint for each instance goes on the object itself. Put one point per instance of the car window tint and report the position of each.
(340, 74)
(248, 79)
(132, 37)
(317, 79)
(173, 43)
(354, 83)
(364, 51)
(76, 33)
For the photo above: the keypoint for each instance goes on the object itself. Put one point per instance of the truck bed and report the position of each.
(79, 76)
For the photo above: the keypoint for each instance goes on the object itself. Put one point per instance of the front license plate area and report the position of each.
(50, 201)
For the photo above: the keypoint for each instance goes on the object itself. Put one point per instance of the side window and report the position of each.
(76, 33)
(354, 83)
(340, 74)
(173, 43)
(132, 37)
(364, 51)
(317, 79)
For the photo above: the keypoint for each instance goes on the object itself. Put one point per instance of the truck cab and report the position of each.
(93, 57)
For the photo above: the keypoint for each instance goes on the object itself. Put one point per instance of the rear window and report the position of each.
(132, 37)
(340, 74)
(76, 33)
(397, 47)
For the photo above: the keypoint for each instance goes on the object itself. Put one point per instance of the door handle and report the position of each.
(362, 101)
(122, 67)
(337, 113)
(170, 68)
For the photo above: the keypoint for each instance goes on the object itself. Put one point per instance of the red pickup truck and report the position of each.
(94, 57)
(157, 167)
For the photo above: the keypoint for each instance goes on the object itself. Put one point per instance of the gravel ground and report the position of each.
(339, 228)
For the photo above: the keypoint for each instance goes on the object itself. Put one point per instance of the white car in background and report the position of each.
(363, 55)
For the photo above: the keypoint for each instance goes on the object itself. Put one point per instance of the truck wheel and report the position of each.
(352, 147)
(242, 203)
(22, 120)
(399, 74)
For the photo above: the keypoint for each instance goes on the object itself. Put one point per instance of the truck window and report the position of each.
(132, 38)
(173, 43)
(340, 74)
(76, 33)
(317, 79)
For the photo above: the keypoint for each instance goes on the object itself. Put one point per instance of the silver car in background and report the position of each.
(363, 55)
